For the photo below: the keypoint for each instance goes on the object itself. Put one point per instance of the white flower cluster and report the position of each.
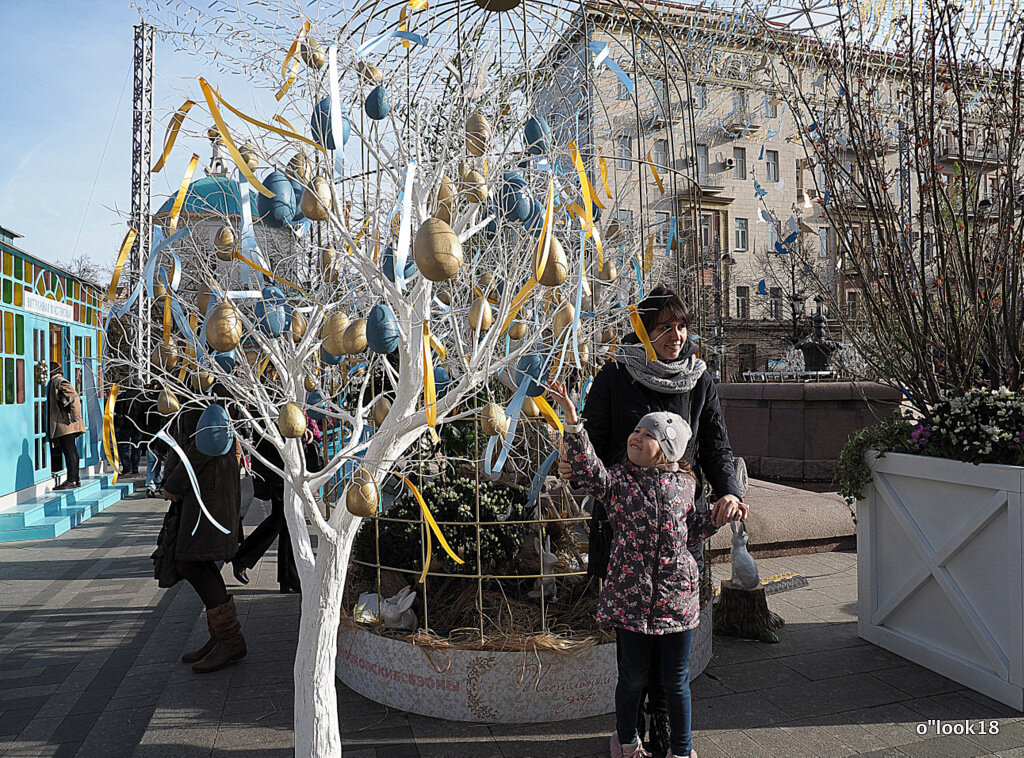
(979, 425)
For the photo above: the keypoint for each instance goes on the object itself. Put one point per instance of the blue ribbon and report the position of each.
(367, 47)
(491, 473)
(600, 51)
(671, 237)
(538, 481)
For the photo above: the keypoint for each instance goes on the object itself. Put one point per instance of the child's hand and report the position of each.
(561, 396)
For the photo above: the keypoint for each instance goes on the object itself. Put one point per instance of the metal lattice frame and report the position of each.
(142, 154)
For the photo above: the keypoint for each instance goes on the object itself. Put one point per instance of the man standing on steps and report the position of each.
(64, 424)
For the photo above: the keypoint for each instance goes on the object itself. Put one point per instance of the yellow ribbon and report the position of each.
(290, 67)
(649, 254)
(429, 390)
(584, 187)
(540, 259)
(274, 276)
(604, 175)
(517, 303)
(109, 439)
(122, 256)
(433, 527)
(167, 318)
(285, 122)
(172, 133)
(438, 347)
(549, 414)
(641, 332)
(210, 93)
(402, 23)
(654, 170)
(179, 200)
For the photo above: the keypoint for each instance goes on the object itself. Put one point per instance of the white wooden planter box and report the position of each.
(940, 557)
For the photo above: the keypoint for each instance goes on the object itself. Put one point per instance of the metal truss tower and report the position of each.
(142, 158)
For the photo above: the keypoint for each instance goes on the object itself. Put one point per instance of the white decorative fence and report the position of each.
(940, 551)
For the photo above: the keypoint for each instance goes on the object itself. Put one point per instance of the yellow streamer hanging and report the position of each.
(649, 254)
(540, 258)
(549, 414)
(229, 143)
(274, 276)
(517, 303)
(438, 347)
(109, 439)
(172, 133)
(284, 122)
(122, 256)
(433, 527)
(179, 200)
(654, 170)
(641, 332)
(290, 67)
(429, 390)
(604, 176)
(167, 318)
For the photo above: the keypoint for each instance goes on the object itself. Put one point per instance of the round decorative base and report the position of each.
(490, 685)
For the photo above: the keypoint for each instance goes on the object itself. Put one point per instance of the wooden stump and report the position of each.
(745, 613)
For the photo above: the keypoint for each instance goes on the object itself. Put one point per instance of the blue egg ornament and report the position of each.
(226, 361)
(331, 360)
(316, 405)
(538, 135)
(514, 197)
(387, 264)
(320, 125)
(270, 312)
(382, 330)
(298, 189)
(214, 434)
(441, 381)
(378, 106)
(531, 365)
(276, 211)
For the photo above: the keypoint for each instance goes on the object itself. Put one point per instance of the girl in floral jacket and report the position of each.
(651, 593)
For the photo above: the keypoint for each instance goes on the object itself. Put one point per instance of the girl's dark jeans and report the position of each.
(634, 662)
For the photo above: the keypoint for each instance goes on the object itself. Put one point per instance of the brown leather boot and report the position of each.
(198, 655)
(227, 632)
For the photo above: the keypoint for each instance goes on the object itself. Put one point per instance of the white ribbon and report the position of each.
(163, 435)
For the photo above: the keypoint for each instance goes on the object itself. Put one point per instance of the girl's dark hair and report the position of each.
(659, 300)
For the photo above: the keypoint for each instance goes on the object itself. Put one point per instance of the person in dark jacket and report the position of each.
(149, 421)
(201, 542)
(627, 389)
(127, 431)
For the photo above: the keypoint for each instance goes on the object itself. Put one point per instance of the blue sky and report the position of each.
(66, 65)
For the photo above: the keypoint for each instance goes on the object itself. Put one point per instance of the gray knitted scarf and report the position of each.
(670, 377)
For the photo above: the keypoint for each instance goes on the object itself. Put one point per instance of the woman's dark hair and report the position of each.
(659, 300)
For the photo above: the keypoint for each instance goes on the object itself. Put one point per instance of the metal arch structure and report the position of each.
(142, 154)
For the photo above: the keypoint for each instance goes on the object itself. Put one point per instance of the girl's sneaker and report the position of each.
(632, 750)
(693, 754)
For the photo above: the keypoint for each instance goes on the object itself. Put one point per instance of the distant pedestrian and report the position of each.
(127, 431)
(149, 421)
(65, 426)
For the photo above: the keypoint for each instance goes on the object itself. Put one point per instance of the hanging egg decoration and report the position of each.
(538, 135)
(442, 381)
(361, 498)
(473, 185)
(480, 315)
(224, 243)
(312, 53)
(530, 409)
(329, 359)
(613, 231)
(556, 268)
(493, 420)
(214, 433)
(333, 333)
(607, 335)
(381, 409)
(269, 311)
(354, 339)
(442, 200)
(276, 211)
(316, 405)
(248, 153)
(224, 327)
(203, 297)
(298, 166)
(308, 382)
(517, 331)
(478, 134)
(387, 265)
(320, 125)
(378, 105)
(609, 273)
(202, 380)
(226, 361)
(328, 264)
(437, 250)
(291, 421)
(564, 317)
(317, 200)
(514, 197)
(382, 330)
(535, 221)
(369, 74)
(296, 325)
(166, 403)
(165, 356)
(298, 189)
(530, 365)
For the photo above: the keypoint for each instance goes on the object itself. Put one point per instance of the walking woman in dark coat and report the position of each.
(200, 544)
(626, 390)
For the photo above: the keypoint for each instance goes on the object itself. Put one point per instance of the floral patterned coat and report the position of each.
(652, 585)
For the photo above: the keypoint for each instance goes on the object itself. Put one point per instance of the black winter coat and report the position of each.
(221, 490)
(616, 402)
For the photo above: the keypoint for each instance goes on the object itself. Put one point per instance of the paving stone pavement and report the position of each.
(89, 651)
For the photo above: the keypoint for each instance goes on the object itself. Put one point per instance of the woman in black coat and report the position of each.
(622, 393)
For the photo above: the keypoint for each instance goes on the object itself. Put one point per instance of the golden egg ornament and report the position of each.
(333, 333)
(203, 298)
(167, 404)
(530, 409)
(298, 326)
(248, 153)
(354, 339)
(517, 331)
(556, 268)
(159, 290)
(478, 134)
(437, 250)
(444, 296)
(308, 383)
(313, 53)
(291, 421)
(316, 200)
(165, 356)
(563, 318)
(361, 496)
(613, 231)
(381, 409)
(328, 265)
(298, 166)
(224, 243)
(369, 74)
(202, 380)
(443, 199)
(224, 329)
(607, 335)
(609, 273)
(473, 186)
(480, 315)
(493, 420)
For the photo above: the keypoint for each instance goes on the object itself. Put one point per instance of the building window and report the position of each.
(739, 163)
(773, 237)
(661, 153)
(771, 160)
(771, 107)
(741, 235)
(623, 91)
(702, 161)
(824, 250)
(743, 302)
(624, 152)
(852, 304)
(775, 303)
(739, 100)
(705, 230)
(700, 99)
(661, 222)
(625, 219)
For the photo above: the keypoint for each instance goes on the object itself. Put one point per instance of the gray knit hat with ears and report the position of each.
(671, 431)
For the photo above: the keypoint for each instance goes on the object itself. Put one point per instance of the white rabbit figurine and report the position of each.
(397, 610)
(548, 561)
(744, 567)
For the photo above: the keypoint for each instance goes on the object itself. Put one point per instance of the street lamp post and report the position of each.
(718, 336)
